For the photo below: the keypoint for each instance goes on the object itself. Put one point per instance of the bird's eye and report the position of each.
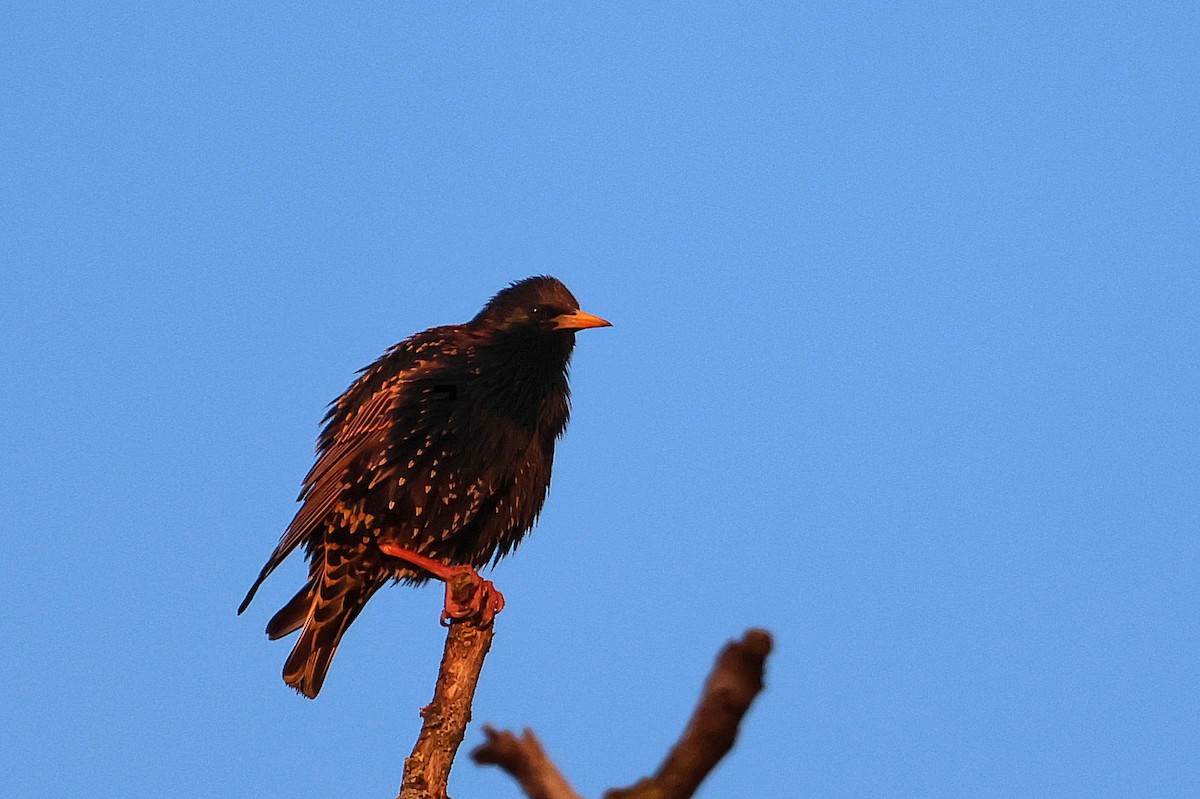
(538, 310)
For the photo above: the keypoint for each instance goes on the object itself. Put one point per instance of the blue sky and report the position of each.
(904, 369)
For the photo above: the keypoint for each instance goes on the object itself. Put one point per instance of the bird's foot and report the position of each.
(468, 596)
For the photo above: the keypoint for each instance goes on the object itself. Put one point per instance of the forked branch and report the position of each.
(736, 679)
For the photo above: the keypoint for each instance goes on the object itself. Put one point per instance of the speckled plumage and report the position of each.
(443, 446)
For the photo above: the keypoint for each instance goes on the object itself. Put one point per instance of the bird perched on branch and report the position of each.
(435, 462)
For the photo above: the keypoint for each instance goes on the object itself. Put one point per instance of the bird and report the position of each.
(435, 462)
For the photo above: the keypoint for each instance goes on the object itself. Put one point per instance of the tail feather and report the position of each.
(291, 617)
(329, 605)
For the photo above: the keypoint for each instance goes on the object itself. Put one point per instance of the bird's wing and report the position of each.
(357, 424)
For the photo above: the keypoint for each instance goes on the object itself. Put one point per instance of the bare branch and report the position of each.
(736, 679)
(733, 684)
(526, 762)
(427, 769)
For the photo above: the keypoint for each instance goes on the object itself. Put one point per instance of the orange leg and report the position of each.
(483, 602)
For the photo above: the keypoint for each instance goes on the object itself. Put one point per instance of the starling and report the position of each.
(435, 462)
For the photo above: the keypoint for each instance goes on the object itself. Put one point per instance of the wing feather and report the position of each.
(357, 425)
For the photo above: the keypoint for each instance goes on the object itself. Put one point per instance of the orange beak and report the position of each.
(578, 320)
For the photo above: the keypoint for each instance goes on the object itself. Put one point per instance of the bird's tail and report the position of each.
(324, 608)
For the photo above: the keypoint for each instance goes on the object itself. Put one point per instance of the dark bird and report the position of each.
(435, 462)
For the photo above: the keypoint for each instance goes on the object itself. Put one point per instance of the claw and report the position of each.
(470, 597)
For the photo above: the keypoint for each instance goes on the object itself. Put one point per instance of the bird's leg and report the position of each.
(468, 596)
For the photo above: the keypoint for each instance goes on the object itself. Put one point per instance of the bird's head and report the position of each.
(536, 305)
